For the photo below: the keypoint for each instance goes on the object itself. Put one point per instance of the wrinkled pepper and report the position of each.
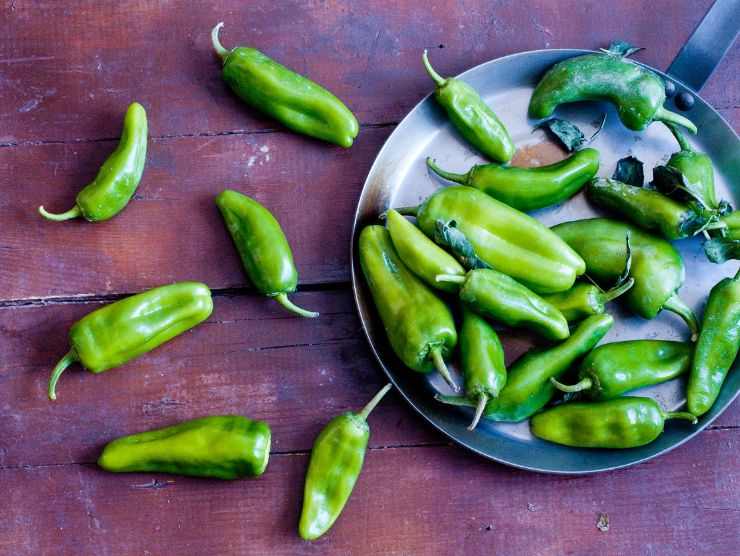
(626, 422)
(717, 346)
(221, 447)
(116, 333)
(471, 116)
(263, 248)
(637, 93)
(610, 370)
(295, 101)
(656, 265)
(506, 239)
(419, 325)
(528, 388)
(584, 300)
(529, 188)
(336, 461)
(118, 177)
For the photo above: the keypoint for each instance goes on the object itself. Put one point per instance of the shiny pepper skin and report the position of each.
(584, 300)
(626, 422)
(221, 447)
(696, 168)
(636, 92)
(116, 333)
(118, 177)
(293, 100)
(717, 347)
(336, 461)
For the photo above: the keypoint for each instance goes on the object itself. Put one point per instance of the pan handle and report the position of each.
(707, 45)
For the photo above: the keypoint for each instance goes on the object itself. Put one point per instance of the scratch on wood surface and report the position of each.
(26, 59)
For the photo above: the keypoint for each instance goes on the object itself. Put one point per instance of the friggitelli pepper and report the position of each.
(626, 422)
(471, 116)
(336, 461)
(118, 177)
(263, 248)
(584, 300)
(529, 188)
(506, 239)
(636, 92)
(293, 100)
(717, 346)
(612, 369)
(116, 333)
(221, 447)
(419, 325)
(696, 168)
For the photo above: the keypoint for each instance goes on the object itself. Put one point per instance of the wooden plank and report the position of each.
(72, 79)
(431, 501)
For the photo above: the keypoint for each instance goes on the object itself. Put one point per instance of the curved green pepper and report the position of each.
(729, 224)
(116, 333)
(508, 240)
(293, 100)
(584, 300)
(223, 447)
(420, 254)
(717, 346)
(636, 92)
(263, 248)
(696, 168)
(528, 388)
(419, 325)
(726, 245)
(118, 177)
(482, 361)
(471, 116)
(497, 296)
(529, 188)
(335, 464)
(657, 267)
(626, 422)
(648, 208)
(613, 369)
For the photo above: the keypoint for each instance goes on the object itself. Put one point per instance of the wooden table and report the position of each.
(67, 72)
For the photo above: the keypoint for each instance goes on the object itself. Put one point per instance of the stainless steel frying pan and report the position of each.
(399, 178)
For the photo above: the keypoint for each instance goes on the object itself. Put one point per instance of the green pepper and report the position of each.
(613, 369)
(626, 422)
(497, 296)
(471, 116)
(116, 333)
(528, 388)
(334, 467)
(420, 254)
(529, 188)
(717, 346)
(508, 240)
(696, 168)
(584, 300)
(419, 325)
(482, 361)
(118, 177)
(222, 447)
(727, 245)
(636, 92)
(729, 225)
(263, 248)
(648, 208)
(657, 267)
(295, 101)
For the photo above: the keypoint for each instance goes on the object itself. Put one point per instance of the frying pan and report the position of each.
(399, 178)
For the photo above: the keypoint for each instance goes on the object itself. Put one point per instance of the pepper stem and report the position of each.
(64, 362)
(482, 401)
(664, 115)
(372, 403)
(580, 386)
(442, 369)
(74, 212)
(718, 225)
(676, 305)
(682, 415)
(457, 178)
(282, 298)
(460, 401)
(616, 291)
(217, 46)
(680, 138)
(438, 79)
(408, 211)
(453, 278)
